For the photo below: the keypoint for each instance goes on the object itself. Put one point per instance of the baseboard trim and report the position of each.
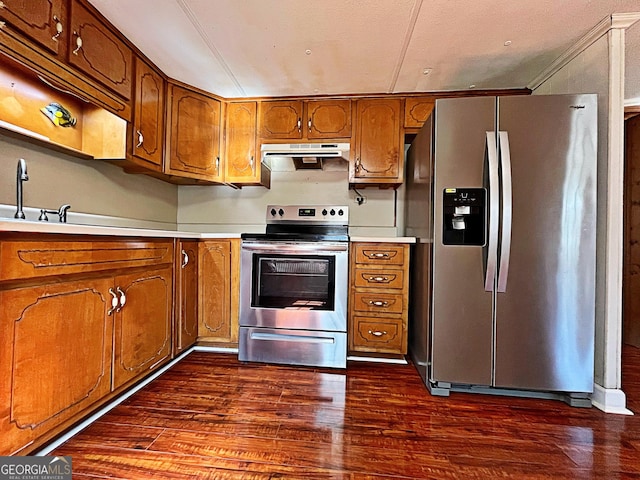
(610, 400)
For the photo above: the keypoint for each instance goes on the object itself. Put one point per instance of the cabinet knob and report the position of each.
(123, 299)
(2, 5)
(185, 259)
(217, 167)
(377, 333)
(379, 255)
(140, 139)
(59, 28)
(78, 43)
(378, 279)
(299, 124)
(309, 124)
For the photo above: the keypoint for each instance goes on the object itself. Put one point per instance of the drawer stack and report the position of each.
(378, 300)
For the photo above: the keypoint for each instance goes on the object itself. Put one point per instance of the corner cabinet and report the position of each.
(194, 135)
(379, 297)
(186, 301)
(147, 139)
(242, 162)
(82, 319)
(218, 290)
(378, 147)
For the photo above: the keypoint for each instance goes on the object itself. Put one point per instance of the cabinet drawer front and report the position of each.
(378, 302)
(379, 278)
(378, 334)
(22, 259)
(380, 254)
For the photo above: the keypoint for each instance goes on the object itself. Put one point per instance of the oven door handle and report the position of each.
(310, 248)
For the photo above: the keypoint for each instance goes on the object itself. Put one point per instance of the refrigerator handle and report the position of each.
(507, 211)
(493, 211)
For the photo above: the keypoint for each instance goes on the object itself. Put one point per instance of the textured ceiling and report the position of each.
(244, 48)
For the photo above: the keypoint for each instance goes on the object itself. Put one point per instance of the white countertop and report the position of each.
(27, 226)
(384, 239)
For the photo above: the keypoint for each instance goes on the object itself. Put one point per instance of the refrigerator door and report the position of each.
(461, 327)
(545, 317)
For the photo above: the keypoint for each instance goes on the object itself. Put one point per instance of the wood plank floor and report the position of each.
(213, 417)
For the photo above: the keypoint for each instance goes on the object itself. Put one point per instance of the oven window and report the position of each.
(305, 282)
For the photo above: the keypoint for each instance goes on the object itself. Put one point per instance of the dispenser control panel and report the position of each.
(464, 216)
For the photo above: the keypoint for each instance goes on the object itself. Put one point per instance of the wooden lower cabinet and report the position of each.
(218, 290)
(186, 297)
(55, 360)
(142, 327)
(379, 297)
(81, 320)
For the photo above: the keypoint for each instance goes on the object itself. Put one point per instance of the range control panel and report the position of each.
(318, 214)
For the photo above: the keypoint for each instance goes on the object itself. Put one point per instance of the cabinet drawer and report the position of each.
(380, 254)
(378, 302)
(378, 334)
(21, 259)
(370, 278)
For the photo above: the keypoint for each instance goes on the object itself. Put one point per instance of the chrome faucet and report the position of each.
(21, 177)
(61, 212)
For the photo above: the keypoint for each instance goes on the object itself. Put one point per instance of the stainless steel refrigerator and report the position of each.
(501, 194)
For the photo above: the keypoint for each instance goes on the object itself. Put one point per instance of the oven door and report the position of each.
(294, 285)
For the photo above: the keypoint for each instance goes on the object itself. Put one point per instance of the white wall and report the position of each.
(99, 193)
(223, 209)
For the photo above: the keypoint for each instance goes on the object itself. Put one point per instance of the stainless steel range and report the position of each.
(293, 287)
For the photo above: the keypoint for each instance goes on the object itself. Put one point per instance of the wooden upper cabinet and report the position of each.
(281, 119)
(310, 119)
(378, 155)
(98, 52)
(328, 119)
(417, 110)
(242, 164)
(194, 135)
(41, 20)
(148, 119)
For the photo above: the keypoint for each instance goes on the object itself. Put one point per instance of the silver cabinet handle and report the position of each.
(379, 303)
(309, 124)
(58, 28)
(123, 299)
(114, 302)
(217, 164)
(299, 124)
(379, 255)
(78, 43)
(140, 139)
(185, 259)
(2, 5)
(377, 333)
(378, 279)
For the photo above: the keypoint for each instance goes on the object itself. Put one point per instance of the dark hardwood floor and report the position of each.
(213, 417)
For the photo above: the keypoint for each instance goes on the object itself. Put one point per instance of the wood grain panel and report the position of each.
(631, 286)
(149, 113)
(56, 358)
(378, 302)
(379, 253)
(241, 158)
(214, 287)
(378, 334)
(328, 119)
(374, 278)
(37, 20)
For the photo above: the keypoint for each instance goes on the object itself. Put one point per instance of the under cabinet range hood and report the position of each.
(297, 156)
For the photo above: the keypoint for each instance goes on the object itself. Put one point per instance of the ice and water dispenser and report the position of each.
(464, 216)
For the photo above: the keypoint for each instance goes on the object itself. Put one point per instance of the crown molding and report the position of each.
(614, 21)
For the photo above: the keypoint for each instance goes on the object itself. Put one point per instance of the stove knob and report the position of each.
(273, 212)
(324, 212)
(281, 212)
(332, 212)
(340, 212)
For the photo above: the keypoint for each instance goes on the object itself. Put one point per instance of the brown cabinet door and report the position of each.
(417, 110)
(240, 146)
(142, 329)
(328, 119)
(379, 154)
(281, 119)
(187, 295)
(148, 119)
(194, 136)
(214, 292)
(55, 359)
(98, 52)
(41, 20)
